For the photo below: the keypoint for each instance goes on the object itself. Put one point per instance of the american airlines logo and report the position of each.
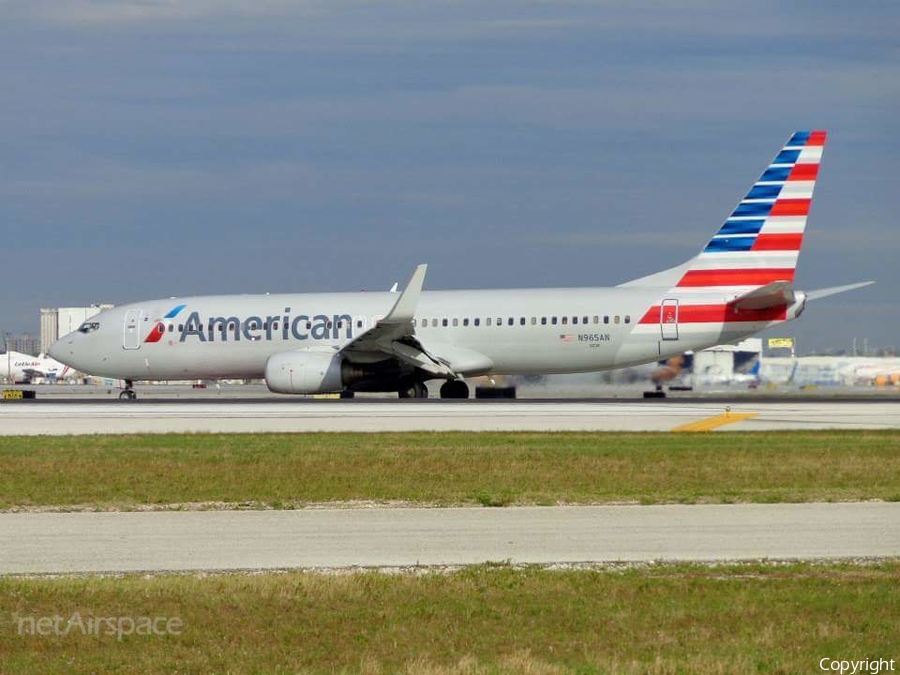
(254, 328)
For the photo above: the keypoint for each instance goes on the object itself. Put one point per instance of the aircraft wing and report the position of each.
(394, 335)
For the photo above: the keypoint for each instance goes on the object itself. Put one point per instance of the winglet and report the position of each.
(405, 308)
(834, 290)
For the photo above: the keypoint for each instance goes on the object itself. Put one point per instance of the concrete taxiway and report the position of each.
(298, 415)
(36, 543)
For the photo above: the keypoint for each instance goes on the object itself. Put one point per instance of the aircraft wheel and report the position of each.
(347, 394)
(128, 395)
(454, 389)
(414, 390)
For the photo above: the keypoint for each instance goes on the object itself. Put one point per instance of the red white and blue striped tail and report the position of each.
(760, 241)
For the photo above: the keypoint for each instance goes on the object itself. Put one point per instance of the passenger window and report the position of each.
(616, 319)
(565, 320)
(487, 321)
(534, 321)
(510, 321)
(596, 319)
(574, 320)
(522, 321)
(499, 321)
(477, 321)
(553, 320)
(605, 319)
(455, 321)
(358, 324)
(444, 322)
(171, 327)
(584, 320)
(181, 328)
(274, 325)
(543, 320)
(465, 322)
(627, 318)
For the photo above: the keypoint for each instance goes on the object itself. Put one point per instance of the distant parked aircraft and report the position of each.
(24, 368)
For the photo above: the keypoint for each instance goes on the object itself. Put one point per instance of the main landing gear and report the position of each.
(128, 393)
(450, 389)
(414, 390)
(454, 389)
(657, 393)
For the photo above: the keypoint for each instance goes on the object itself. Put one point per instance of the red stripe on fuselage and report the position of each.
(718, 314)
(778, 242)
(740, 277)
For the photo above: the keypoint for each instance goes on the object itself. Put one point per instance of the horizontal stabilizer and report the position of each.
(774, 294)
(834, 290)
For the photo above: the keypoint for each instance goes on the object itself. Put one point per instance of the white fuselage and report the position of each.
(518, 331)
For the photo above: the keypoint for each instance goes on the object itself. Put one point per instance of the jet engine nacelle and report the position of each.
(304, 372)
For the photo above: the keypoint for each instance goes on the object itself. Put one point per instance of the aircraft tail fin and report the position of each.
(759, 243)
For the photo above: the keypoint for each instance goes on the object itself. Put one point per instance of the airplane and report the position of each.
(739, 284)
(23, 368)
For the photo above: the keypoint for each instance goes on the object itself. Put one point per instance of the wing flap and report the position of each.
(394, 335)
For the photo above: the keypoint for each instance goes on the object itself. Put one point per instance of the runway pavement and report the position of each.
(297, 415)
(400, 537)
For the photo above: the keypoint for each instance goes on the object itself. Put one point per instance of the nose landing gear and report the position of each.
(128, 393)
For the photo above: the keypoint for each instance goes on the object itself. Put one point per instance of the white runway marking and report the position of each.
(25, 418)
(334, 538)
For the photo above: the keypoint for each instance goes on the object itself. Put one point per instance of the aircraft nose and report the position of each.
(63, 350)
(56, 350)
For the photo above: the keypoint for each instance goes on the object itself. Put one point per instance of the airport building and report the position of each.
(58, 322)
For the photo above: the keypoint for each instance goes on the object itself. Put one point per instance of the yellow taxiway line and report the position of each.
(711, 423)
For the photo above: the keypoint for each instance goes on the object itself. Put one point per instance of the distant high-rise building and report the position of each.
(49, 328)
(25, 343)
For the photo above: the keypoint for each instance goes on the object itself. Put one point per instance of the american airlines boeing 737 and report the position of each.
(742, 282)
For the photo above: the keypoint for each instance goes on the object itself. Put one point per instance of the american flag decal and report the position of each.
(566, 338)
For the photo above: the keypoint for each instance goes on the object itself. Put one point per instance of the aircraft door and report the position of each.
(131, 336)
(668, 319)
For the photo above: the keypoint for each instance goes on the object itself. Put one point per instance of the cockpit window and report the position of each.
(89, 327)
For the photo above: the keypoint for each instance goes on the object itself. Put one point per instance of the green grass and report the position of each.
(486, 619)
(492, 469)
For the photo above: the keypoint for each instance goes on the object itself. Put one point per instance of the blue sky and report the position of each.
(150, 149)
